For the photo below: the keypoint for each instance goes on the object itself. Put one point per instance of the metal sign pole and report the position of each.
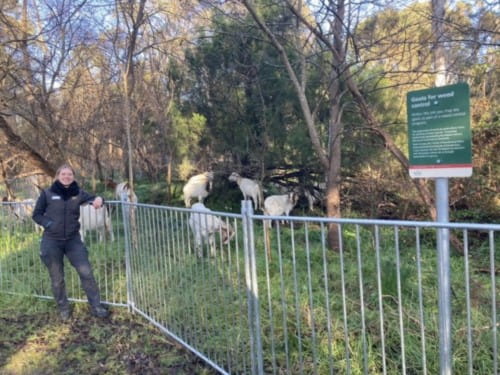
(440, 147)
(444, 283)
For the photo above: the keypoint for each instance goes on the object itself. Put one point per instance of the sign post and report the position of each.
(440, 146)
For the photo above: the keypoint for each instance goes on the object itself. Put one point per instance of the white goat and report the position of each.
(277, 205)
(95, 219)
(124, 193)
(204, 226)
(314, 194)
(249, 188)
(23, 210)
(198, 187)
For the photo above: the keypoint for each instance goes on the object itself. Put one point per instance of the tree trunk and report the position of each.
(129, 80)
(169, 178)
(35, 159)
(331, 159)
(334, 172)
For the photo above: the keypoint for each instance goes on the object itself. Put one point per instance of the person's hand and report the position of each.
(97, 203)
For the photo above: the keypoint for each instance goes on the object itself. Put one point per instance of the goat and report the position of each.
(277, 205)
(23, 210)
(314, 194)
(198, 187)
(124, 193)
(204, 226)
(95, 219)
(249, 188)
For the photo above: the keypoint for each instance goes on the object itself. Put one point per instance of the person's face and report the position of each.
(66, 176)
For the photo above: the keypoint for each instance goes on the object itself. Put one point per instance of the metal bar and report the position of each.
(493, 302)
(444, 283)
(380, 300)
(421, 301)
(327, 300)
(344, 303)
(128, 269)
(323, 311)
(297, 305)
(467, 299)
(311, 301)
(400, 301)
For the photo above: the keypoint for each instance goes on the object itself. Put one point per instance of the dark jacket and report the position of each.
(57, 210)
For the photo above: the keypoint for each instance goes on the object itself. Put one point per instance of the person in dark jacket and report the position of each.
(57, 210)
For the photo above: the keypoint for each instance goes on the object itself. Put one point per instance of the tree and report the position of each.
(338, 78)
(337, 47)
(134, 17)
(38, 54)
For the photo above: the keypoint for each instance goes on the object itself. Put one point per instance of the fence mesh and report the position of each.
(277, 299)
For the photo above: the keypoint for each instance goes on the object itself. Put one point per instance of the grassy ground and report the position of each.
(33, 340)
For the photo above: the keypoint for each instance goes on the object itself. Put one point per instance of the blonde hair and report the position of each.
(64, 166)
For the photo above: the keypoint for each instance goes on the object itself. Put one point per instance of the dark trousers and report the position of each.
(52, 254)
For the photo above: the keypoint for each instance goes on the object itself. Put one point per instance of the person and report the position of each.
(57, 210)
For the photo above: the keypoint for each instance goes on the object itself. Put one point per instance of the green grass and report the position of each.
(33, 340)
(289, 311)
(204, 299)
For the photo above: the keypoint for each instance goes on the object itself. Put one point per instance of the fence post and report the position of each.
(128, 270)
(252, 288)
(444, 283)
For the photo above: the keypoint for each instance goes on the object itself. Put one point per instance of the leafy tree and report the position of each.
(248, 102)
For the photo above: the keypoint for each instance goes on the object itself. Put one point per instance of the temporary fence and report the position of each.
(22, 272)
(251, 294)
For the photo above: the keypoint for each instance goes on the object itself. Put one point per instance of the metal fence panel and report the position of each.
(22, 271)
(279, 300)
(372, 306)
(195, 291)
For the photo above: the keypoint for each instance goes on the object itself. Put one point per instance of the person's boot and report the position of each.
(65, 313)
(99, 311)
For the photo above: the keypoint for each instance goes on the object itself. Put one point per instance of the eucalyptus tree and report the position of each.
(403, 58)
(171, 133)
(148, 43)
(252, 120)
(334, 26)
(133, 15)
(303, 41)
(42, 44)
(304, 49)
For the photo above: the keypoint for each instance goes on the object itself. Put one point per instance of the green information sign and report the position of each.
(439, 135)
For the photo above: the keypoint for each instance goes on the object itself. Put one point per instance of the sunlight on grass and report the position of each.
(34, 356)
(16, 244)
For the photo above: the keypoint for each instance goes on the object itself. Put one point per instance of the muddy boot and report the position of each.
(99, 311)
(65, 313)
